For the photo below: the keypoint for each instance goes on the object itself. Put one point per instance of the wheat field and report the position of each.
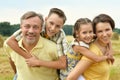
(6, 72)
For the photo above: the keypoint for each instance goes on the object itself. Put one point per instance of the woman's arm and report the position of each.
(84, 51)
(12, 42)
(81, 66)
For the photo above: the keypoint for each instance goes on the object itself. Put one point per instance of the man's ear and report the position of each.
(20, 26)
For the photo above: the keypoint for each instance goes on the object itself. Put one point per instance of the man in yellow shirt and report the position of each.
(32, 42)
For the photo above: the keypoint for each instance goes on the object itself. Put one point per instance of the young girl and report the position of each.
(83, 34)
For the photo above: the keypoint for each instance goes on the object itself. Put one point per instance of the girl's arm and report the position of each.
(13, 43)
(81, 66)
(84, 51)
(110, 53)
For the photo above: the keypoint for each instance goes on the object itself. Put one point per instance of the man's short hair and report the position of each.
(31, 14)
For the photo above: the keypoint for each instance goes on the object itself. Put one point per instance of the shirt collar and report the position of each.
(38, 45)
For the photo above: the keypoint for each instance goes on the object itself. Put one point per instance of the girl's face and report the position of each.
(103, 32)
(85, 33)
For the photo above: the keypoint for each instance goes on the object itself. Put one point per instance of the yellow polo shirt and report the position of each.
(97, 71)
(44, 50)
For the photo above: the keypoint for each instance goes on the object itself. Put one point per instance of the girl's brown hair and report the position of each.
(78, 23)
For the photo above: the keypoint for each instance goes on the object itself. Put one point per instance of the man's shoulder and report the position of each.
(93, 45)
(47, 41)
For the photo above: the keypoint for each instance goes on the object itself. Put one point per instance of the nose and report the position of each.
(104, 33)
(53, 27)
(31, 30)
(88, 35)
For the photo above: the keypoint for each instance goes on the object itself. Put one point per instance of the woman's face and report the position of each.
(103, 32)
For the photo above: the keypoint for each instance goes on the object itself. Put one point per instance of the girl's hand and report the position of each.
(110, 59)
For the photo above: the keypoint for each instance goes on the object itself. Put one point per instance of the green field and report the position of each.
(6, 72)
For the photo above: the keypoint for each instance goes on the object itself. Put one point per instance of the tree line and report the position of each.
(6, 29)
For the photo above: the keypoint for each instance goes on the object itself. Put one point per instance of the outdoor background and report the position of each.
(12, 10)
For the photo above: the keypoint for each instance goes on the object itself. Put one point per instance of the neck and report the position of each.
(102, 47)
(28, 47)
(101, 43)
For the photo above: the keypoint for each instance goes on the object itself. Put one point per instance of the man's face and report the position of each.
(31, 29)
(53, 24)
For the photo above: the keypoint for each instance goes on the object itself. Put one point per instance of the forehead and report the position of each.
(32, 20)
(103, 25)
(85, 26)
(55, 16)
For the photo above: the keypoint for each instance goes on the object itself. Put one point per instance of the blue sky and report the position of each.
(12, 10)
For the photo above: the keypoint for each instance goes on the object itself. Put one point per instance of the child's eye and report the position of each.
(84, 32)
(58, 26)
(91, 32)
(99, 31)
(51, 23)
(107, 29)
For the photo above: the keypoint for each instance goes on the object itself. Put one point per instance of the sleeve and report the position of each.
(64, 43)
(18, 34)
(6, 49)
(59, 49)
(81, 43)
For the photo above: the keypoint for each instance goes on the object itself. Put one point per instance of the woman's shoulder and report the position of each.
(93, 46)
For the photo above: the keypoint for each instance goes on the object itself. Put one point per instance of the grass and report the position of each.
(6, 72)
(115, 69)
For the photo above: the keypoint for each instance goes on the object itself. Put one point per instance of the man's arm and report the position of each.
(58, 64)
(12, 65)
(12, 42)
(84, 51)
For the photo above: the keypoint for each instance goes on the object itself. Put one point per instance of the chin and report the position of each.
(106, 42)
(50, 35)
